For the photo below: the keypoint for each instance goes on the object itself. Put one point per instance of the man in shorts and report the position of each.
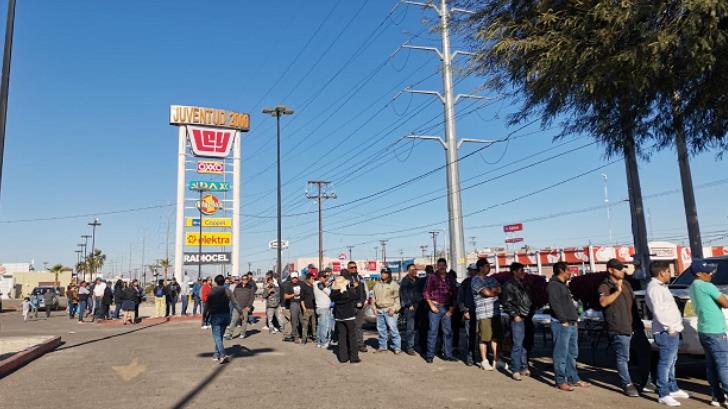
(487, 311)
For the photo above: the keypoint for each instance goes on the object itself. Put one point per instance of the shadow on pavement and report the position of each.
(239, 351)
(107, 337)
(202, 385)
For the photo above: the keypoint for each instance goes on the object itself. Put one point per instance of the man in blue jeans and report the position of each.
(439, 293)
(617, 299)
(386, 308)
(516, 304)
(564, 321)
(708, 302)
(666, 328)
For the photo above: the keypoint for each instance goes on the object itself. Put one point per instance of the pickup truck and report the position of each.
(679, 287)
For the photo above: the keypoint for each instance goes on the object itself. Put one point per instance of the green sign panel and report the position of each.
(209, 186)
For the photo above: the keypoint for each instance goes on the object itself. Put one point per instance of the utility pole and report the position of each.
(376, 252)
(350, 247)
(434, 246)
(277, 111)
(384, 252)
(450, 143)
(320, 196)
(94, 224)
(5, 85)
(424, 250)
(144, 271)
(474, 244)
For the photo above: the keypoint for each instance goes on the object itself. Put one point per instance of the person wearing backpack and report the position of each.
(217, 312)
(160, 299)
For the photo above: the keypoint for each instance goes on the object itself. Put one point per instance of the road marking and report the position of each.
(131, 371)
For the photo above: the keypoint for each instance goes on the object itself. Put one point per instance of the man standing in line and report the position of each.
(308, 307)
(617, 299)
(466, 304)
(172, 291)
(565, 330)
(439, 293)
(358, 285)
(322, 293)
(244, 295)
(184, 295)
(666, 328)
(291, 290)
(99, 290)
(196, 301)
(708, 302)
(485, 291)
(410, 295)
(204, 293)
(386, 309)
(516, 303)
(160, 297)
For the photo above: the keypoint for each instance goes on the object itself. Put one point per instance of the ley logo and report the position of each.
(211, 142)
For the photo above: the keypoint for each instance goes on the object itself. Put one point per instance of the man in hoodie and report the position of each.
(244, 295)
(410, 295)
(359, 287)
(321, 292)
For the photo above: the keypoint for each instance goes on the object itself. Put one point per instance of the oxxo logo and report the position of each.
(211, 142)
(210, 167)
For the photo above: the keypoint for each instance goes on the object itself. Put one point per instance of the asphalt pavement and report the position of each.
(169, 365)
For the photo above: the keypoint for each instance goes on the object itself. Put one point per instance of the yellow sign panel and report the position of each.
(209, 222)
(209, 239)
(184, 115)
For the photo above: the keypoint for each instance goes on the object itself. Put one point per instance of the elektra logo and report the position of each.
(210, 167)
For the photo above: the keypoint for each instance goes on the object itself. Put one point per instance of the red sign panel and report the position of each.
(335, 266)
(211, 142)
(514, 240)
(372, 265)
(510, 228)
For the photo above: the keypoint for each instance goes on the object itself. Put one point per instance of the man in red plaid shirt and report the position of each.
(439, 293)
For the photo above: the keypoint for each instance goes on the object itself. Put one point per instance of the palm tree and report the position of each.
(56, 269)
(164, 263)
(81, 268)
(96, 261)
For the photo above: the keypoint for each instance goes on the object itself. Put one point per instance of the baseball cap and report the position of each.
(482, 262)
(312, 273)
(702, 266)
(614, 263)
(294, 274)
(472, 266)
(328, 270)
(385, 270)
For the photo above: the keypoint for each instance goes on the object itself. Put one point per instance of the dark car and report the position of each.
(41, 291)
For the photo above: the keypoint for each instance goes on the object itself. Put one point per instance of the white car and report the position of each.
(689, 342)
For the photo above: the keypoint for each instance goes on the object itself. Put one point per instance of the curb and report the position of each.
(22, 358)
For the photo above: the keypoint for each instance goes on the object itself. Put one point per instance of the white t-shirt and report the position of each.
(99, 289)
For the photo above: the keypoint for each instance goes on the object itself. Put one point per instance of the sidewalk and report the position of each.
(16, 352)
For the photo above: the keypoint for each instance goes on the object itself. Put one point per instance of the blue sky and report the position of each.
(88, 133)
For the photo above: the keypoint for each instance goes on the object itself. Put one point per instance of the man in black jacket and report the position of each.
(564, 321)
(516, 303)
(359, 286)
(171, 292)
(410, 296)
(466, 305)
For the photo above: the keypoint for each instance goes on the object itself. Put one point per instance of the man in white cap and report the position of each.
(291, 290)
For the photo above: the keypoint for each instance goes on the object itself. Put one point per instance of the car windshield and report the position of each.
(719, 278)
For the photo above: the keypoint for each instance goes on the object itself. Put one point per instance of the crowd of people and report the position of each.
(487, 320)
(495, 313)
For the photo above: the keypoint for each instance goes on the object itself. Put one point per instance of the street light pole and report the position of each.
(606, 203)
(434, 246)
(277, 111)
(201, 189)
(93, 225)
(5, 85)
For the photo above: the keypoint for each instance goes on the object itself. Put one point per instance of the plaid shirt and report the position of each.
(439, 290)
(485, 307)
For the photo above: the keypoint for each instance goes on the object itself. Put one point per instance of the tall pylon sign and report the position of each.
(207, 235)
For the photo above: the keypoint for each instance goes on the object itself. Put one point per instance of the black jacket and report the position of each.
(515, 299)
(410, 291)
(108, 296)
(361, 291)
(118, 294)
(218, 302)
(466, 302)
(344, 303)
(561, 302)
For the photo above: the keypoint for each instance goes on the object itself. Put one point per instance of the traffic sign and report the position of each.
(273, 244)
(510, 228)
(514, 240)
(342, 256)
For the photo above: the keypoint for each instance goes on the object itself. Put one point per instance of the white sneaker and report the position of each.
(486, 366)
(265, 328)
(668, 401)
(718, 404)
(680, 394)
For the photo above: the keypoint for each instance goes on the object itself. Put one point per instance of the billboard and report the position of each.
(209, 222)
(209, 186)
(207, 258)
(208, 238)
(219, 118)
(510, 228)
